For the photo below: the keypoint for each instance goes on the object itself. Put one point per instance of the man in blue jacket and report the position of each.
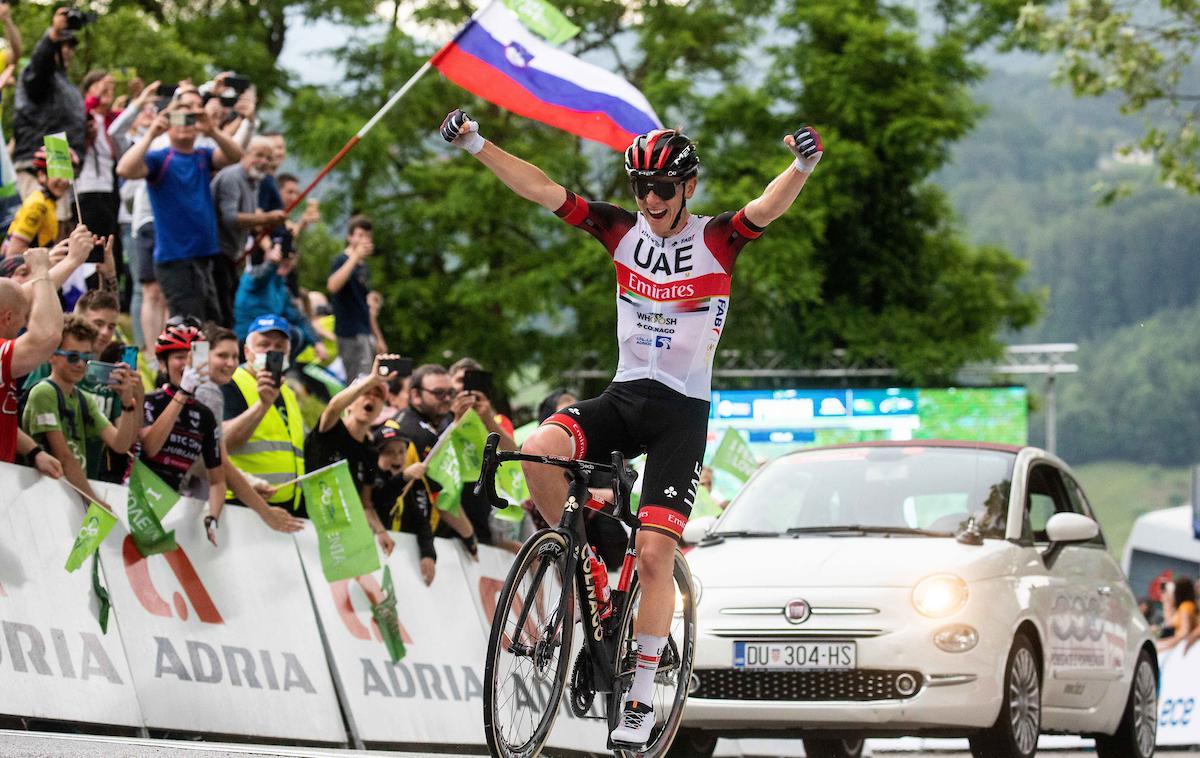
(263, 289)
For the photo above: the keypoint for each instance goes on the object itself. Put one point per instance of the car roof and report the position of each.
(958, 444)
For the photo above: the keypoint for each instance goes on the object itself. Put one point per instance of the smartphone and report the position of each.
(199, 353)
(275, 366)
(478, 381)
(97, 254)
(182, 118)
(99, 373)
(396, 367)
(239, 83)
(129, 356)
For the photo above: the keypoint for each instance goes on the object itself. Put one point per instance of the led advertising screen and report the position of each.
(775, 422)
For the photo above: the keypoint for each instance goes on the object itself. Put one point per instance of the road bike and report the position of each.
(530, 646)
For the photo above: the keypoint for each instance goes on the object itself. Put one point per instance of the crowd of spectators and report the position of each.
(150, 311)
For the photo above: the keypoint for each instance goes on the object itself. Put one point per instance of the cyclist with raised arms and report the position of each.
(673, 279)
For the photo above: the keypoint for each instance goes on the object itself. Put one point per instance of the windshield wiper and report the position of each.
(740, 533)
(861, 529)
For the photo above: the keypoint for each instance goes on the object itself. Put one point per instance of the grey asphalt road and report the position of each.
(14, 744)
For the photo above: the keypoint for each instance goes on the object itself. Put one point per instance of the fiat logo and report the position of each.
(797, 611)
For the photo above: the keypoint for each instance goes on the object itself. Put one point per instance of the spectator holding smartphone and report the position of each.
(264, 431)
(177, 179)
(263, 289)
(180, 431)
(348, 286)
(62, 419)
(344, 433)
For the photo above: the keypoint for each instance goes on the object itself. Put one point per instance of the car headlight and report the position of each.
(940, 595)
(696, 589)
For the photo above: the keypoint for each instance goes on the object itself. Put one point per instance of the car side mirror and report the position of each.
(1071, 527)
(696, 529)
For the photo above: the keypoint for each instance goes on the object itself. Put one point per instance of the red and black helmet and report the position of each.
(662, 152)
(176, 337)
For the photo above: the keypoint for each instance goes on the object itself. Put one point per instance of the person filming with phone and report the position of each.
(62, 419)
(264, 431)
(185, 222)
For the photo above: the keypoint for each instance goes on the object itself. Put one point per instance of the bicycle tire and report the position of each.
(683, 635)
(547, 545)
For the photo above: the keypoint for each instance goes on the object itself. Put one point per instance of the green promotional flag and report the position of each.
(510, 485)
(469, 437)
(346, 543)
(543, 18)
(97, 523)
(734, 456)
(445, 469)
(58, 157)
(150, 499)
(104, 604)
(387, 619)
(704, 504)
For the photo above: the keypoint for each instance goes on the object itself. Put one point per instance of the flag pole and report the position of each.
(354, 140)
(90, 498)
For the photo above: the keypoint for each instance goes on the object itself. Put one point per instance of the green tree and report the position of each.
(1142, 50)
(869, 260)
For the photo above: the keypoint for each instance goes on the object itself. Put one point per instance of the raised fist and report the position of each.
(805, 144)
(459, 130)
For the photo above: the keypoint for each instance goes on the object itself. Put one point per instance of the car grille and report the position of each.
(857, 684)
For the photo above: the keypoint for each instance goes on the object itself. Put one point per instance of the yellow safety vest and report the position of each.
(275, 451)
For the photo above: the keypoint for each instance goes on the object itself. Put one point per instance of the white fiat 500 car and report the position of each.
(916, 588)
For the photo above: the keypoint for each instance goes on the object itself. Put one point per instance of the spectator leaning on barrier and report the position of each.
(348, 286)
(391, 449)
(427, 416)
(344, 433)
(235, 194)
(46, 102)
(222, 362)
(62, 419)
(264, 431)
(36, 222)
(179, 431)
(19, 355)
(177, 178)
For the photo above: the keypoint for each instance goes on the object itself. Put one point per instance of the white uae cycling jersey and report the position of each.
(672, 293)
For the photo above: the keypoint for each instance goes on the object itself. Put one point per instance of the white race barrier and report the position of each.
(222, 639)
(56, 663)
(1179, 689)
(434, 695)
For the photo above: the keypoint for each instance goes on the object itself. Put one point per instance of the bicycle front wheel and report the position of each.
(674, 668)
(528, 655)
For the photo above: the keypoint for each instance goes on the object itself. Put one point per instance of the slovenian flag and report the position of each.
(498, 59)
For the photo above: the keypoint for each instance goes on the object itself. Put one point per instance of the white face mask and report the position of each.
(260, 362)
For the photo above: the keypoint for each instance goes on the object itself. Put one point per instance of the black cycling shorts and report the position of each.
(644, 416)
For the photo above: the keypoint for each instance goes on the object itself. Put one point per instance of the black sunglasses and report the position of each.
(642, 186)
(439, 394)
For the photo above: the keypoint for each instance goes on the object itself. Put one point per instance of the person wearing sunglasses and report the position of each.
(63, 419)
(674, 271)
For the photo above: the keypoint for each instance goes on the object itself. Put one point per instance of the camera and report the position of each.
(77, 19)
(182, 118)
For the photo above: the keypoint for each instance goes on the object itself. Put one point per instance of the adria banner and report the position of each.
(222, 639)
(55, 662)
(1179, 697)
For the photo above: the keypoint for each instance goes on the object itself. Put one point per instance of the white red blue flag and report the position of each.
(498, 59)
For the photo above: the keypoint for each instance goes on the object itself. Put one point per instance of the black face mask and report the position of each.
(642, 186)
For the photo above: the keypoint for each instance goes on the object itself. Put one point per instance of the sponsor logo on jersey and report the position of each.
(657, 318)
(719, 319)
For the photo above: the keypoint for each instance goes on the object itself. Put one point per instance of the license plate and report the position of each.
(795, 655)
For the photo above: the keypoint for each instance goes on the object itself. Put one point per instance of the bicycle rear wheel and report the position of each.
(528, 663)
(674, 668)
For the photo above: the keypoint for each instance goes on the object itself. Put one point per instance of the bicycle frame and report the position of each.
(598, 638)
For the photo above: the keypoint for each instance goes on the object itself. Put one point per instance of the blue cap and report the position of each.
(270, 323)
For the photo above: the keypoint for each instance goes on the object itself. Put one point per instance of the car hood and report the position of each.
(846, 561)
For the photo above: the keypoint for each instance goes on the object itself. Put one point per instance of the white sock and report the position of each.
(649, 651)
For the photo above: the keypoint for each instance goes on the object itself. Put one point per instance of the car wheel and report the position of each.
(1015, 733)
(693, 743)
(1139, 725)
(814, 748)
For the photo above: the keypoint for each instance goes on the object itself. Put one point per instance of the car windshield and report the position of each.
(919, 491)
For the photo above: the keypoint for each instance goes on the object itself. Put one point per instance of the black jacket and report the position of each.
(46, 102)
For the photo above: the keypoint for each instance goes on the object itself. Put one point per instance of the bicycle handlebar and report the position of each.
(623, 477)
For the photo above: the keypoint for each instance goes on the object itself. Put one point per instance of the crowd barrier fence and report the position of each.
(249, 640)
